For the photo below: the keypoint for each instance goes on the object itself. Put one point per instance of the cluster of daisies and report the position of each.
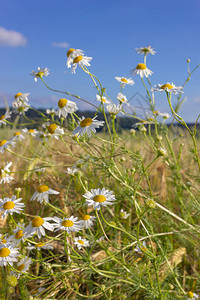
(9, 251)
(85, 125)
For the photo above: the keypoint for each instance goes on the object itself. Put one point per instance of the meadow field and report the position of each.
(92, 211)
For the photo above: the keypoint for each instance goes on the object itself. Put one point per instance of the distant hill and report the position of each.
(121, 122)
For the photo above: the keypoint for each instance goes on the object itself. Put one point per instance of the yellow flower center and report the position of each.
(3, 241)
(40, 244)
(99, 198)
(141, 67)
(77, 59)
(190, 295)
(81, 242)
(51, 128)
(145, 50)
(40, 74)
(21, 108)
(19, 234)
(37, 222)
(67, 223)
(167, 85)
(2, 172)
(86, 122)
(86, 217)
(43, 188)
(2, 142)
(9, 205)
(124, 80)
(4, 252)
(2, 117)
(17, 133)
(31, 130)
(62, 102)
(70, 51)
(18, 95)
(122, 214)
(21, 267)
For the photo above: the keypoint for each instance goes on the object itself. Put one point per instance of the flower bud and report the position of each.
(151, 203)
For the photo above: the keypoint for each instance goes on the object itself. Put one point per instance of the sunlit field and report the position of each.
(90, 210)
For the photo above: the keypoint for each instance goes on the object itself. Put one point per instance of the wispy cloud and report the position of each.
(11, 38)
(61, 45)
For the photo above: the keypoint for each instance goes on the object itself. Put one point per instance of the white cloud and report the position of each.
(61, 45)
(11, 38)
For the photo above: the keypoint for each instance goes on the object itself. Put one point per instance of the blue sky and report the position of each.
(109, 31)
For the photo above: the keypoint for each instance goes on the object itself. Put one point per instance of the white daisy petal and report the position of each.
(42, 194)
(86, 125)
(142, 70)
(168, 87)
(99, 198)
(10, 205)
(68, 224)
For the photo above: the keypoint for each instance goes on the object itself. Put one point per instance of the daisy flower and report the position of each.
(23, 266)
(122, 98)
(164, 115)
(114, 109)
(71, 54)
(40, 171)
(40, 73)
(21, 109)
(42, 136)
(72, 171)
(18, 136)
(65, 107)
(68, 224)
(146, 50)
(142, 123)
(20, 99)
(102, 99)
(32, 132)
(42, 194)
(88, 221)
(192, 296)
(87, 125)
(18, 235)
(8, 254)
(79, 242)
(81, 61)
(5, 239)
(168, 87)
(10, 205)
(98, 197)
(124, 81)
(142, 70)
(4, 173)
(5, 117)
(40, 246)
(38, 225)
(138, 249)
(50, 111)
(55, 130)
(101, 239)
(123, 214)
(5, 145)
